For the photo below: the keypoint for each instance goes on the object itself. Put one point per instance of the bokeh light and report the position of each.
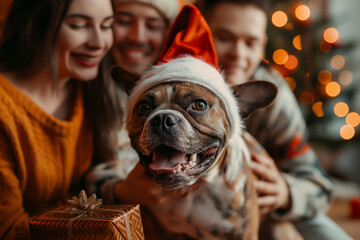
(317, 108)
(347, 132)
(280, 56)
(341, 109)
(331, 35)
(307, 98)
(289, 26)
(352, 119)
(324, 76)
(297, 42)
(325, 46)
(302, 12)
(337, 62)
(291, 81)
(279, 18)
(292, 62)
(345, 78)
(332, 89)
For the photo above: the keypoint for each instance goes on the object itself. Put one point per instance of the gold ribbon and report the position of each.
(82, 205)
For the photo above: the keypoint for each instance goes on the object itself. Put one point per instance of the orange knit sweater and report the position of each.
(41, 158)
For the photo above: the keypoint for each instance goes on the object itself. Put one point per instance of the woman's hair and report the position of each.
(28, 44)
(29, 37)
(101, 101)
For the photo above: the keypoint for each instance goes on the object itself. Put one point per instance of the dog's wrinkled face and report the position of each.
(178, 130)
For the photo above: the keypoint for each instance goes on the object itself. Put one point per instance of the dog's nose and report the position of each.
(164, 121)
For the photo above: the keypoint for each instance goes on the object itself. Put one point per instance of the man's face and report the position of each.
(239, 33)
(139, 33)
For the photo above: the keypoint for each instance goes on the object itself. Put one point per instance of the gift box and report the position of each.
(100, 222)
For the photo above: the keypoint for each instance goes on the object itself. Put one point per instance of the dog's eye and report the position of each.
(143, 106)
(199, 105)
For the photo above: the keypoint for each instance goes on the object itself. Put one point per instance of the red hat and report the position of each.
(189, 56)
(189, 35)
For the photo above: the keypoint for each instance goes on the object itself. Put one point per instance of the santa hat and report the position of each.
(189, 56)
(168, 8)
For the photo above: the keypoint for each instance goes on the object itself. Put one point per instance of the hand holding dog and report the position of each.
(139, 188)
(272, 188)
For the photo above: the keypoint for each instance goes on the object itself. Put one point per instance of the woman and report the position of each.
(50, 111)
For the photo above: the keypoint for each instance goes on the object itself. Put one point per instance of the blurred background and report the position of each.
(315, 44)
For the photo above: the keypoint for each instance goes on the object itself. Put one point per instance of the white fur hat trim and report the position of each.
(189, 69)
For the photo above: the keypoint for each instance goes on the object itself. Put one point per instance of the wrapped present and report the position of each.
(86, 218)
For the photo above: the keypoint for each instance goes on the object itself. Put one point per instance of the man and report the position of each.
(140, 30)
(292, 185)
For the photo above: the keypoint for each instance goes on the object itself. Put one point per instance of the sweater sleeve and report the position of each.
(13, 218)
(103, 178)
(280, 128)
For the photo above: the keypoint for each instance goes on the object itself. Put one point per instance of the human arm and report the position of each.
(274, 193)
(13, 218)
(280, 128)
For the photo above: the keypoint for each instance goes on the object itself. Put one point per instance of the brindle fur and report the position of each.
(212, 207)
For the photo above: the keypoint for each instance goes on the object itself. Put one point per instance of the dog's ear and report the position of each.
(126, 80)
(253, 95)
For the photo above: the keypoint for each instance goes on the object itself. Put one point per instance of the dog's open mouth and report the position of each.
(167, 160)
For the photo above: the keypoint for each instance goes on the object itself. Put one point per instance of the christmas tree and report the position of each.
(313, 44)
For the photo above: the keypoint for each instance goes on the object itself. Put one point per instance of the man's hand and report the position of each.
(272, 188)
(139, 188)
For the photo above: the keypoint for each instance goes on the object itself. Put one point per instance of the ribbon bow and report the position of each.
(83, 203)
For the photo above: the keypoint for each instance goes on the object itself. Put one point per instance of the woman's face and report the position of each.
(84, 38)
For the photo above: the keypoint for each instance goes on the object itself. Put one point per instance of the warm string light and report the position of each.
(297, 42)
(292, 83)
(289, 63)
(302, 12)
(332, 89)
(337, 62)
(324, 77)
(347, 132)
(352, 119)
(331, 35)
(307, 98)
(279, 18)
(341, 109)
(345, 78)
(280, 56)
(317, 108)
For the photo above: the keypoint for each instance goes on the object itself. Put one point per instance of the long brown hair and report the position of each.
(28, 41)
(102, 104)
(28, 44)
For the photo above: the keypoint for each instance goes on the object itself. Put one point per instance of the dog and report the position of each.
(185, 123)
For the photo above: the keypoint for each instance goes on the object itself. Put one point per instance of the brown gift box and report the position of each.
(106, 222)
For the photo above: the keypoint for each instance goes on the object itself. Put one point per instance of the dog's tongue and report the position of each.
(165, 158)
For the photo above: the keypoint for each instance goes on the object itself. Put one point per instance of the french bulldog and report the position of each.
(185, 123)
